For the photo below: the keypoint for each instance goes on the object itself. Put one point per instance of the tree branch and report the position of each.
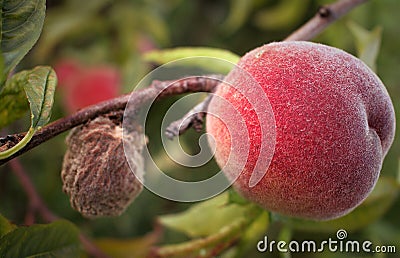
(159, 89)
(323, 18)
(193, 119)
(36, 203)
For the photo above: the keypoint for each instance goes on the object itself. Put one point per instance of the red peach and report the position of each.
(67, 72)
(94, 85)
(84, 86)
(334, 125)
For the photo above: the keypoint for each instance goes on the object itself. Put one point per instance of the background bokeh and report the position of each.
(113, 36)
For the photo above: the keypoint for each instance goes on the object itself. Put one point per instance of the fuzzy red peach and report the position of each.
(334, 125)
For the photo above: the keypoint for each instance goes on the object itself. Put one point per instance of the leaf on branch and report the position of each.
(168, 55)
(21, 24)
(367, 43)
(13, 104)
(197, 222)
(58, 239)
(377, 203)
(42, 81)
(215, 224)
(39, 85)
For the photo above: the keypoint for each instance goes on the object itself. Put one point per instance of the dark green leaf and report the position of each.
(13, 104)
(377, 203)
(5, 226)
(58, 239)
(21, 25)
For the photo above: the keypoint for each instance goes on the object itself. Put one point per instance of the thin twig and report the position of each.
(158, 90)
(193, 119)
(324, 17)
(37, 205)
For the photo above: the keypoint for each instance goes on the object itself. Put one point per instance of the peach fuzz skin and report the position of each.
(334, 122)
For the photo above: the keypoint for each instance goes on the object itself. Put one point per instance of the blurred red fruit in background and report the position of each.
(83, 86)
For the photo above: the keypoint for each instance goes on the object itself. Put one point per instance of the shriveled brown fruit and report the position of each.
(95, 172)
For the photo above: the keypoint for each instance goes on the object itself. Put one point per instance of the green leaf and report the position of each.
(167, 55)
(235, 197)
(377, 203)
(5, 226)
(58, 239)
(285, 235)
(213, 240)
(239, 11)
(252, 234)
(39, 85)
(42, 81)
(367, 43)
(13, 104)
(197, 222)
(21, 25)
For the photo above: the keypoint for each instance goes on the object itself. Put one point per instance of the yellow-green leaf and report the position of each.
(197, 222)
(5, 226)
(219, 227)
(167, 55)
(239, 11)
(42, 81)
(252, 234)
(367, 43)
(21, 23)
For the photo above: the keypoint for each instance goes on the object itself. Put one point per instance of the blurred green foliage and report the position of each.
(119, 32)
